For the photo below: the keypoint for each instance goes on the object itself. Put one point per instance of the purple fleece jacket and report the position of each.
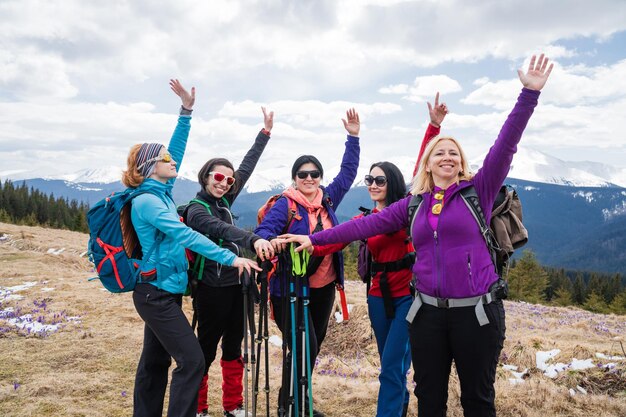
(452, 261)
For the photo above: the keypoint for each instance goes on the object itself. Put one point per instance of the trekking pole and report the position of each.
(284, 401)
(263, 337)
(245, 287)
(293, 297)
(307, 341)
(258, 341)
(299, 269)
(253, 298)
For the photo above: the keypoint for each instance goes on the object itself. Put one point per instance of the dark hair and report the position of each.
(203, 174)
(396, 187)
(304, 159)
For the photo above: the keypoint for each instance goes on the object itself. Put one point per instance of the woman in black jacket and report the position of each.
(219, 296)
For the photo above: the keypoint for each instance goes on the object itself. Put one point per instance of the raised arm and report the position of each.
(178, 142)
(497, 163)
(341, 184)
(253, 155)
(437, 113)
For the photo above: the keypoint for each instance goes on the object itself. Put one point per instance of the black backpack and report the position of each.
(506, 231)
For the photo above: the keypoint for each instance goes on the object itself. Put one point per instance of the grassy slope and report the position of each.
(87, 368)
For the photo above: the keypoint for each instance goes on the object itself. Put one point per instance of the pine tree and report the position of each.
(562, 297)
(528, 280)
(618, 305)
(579, 290)
(595, 303)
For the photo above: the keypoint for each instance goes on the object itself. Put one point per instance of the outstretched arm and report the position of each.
(437, 113)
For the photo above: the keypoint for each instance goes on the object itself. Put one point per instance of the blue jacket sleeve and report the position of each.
(178, 142)
(391, 219)
(152, 210)
(341, 184)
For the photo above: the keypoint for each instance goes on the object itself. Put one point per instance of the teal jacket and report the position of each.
(156, 211)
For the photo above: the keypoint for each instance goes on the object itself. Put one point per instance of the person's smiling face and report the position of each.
(308, 185)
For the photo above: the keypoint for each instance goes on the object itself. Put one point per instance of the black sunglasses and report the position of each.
(303, 174)
(381, 180)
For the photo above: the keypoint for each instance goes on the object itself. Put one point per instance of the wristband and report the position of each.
(185, 112)
(266, 132)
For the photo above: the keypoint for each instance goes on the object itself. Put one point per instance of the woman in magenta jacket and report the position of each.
(453, 265)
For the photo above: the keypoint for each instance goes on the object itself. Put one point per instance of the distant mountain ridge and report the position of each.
(528, 165)
(569, 227)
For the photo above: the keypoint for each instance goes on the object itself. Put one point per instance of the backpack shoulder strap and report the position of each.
(202, 203)
(292, 213)
(414, 205)
(470, 198)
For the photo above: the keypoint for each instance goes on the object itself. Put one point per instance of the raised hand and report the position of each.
(247, 264)
(353, 124)
(537, 74)
(438, 112)
(264, 249)
(187, 99)
(303, 240)
(268, 119)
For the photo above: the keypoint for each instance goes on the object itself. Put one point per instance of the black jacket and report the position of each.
(219, 226)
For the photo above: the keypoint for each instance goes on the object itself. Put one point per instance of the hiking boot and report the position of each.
(203, 413)
(237, 412)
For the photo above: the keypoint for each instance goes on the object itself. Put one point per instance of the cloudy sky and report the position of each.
(81, 81)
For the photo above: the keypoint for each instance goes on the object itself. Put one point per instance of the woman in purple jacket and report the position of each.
(458, 317)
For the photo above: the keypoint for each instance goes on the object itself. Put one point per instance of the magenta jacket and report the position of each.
(452, 261)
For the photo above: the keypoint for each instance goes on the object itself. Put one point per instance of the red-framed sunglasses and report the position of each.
(219, 177)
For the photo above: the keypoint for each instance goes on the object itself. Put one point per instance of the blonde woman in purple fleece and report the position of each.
(456, 314)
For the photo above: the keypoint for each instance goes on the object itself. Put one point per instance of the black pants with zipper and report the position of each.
(167, 335)
(438, 336)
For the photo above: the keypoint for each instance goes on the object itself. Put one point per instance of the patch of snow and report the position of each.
(610, 358)
(275, 340)
(53, 251)
(339, 314)
(47, 289)
(7, 291)
(580, 365)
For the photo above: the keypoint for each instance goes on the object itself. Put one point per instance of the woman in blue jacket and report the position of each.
(456, 314)
(158, 299)
(315, 206)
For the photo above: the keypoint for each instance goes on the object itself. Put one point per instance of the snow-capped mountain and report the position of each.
(528, 165)
(532, 165)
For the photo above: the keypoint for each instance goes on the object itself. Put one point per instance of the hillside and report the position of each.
(77, 353)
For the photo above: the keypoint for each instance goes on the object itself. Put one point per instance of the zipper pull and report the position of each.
(435, 235)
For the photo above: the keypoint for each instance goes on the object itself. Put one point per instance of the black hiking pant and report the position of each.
(220, 316)
(440, 335)
(167, 335)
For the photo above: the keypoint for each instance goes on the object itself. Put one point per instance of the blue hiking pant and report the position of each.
(392, 338)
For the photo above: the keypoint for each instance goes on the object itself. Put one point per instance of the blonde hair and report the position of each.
(423, 182)
(131, 177)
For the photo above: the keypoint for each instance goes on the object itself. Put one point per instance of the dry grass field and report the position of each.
(76, 354)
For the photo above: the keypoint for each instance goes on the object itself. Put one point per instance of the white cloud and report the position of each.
(81, 81)
(425, 87)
